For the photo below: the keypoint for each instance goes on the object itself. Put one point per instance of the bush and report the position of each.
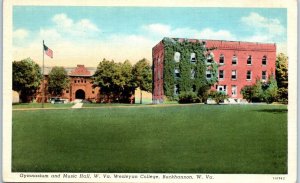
(218, 97)
(188, 97)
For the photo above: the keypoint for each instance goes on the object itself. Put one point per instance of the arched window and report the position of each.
(234, 60)
(221, 59)
(193, 57)
(264, 60)
(249, 60)
(177, 56)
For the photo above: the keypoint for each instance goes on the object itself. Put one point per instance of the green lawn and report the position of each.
(173, 139)
(39, 105)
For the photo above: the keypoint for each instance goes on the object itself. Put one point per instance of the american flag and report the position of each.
(48, 51)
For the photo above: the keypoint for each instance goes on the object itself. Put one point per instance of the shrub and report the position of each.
(188, 97)
(218, 97)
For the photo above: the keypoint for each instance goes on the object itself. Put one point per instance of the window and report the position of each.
(193, 58)
(233, 75)
(210, 58)
(234, 60)
(221, 59)
(264, 60)
(221, 74)
(221, 88)
(93, 91)
(248, 75)
(177, 56)
(233, 90)
(67, 91)
(177, 74)
(264, 75)
(208, 74)
(176, 89)
(192, 74)
(75, 81)
(249, 60)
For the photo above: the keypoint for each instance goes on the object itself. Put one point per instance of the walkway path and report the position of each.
(77, 105)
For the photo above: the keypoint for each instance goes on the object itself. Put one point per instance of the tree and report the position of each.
(106, 77)
(270, 94)
(26, 78)
(247, 92)
(142, 74)
(58, 80)
(188, 97)
(282, 77)
(217, 96)
(115, 80)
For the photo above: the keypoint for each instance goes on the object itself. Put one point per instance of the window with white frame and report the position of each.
(233, 90)
(210, 58)
(208, 74)
(248, 75)
(249, 60)
(222, 88)
(221, 74)
(233, 74)
(177, 56)
(264, 75)
(221, 59)
(264, 60)
(193, 57)
(177, 73)
(176, 89)
(192, 74)
(234, 60)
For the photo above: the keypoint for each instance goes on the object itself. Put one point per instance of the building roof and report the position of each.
(225, 44)
(80, 70)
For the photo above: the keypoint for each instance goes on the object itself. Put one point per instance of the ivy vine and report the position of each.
(192, 74)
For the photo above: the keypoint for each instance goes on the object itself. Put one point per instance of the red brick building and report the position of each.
(240, 64)
(80, 84)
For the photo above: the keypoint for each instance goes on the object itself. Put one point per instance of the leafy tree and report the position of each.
(258, 92)
(26, 78)
(270, 94)
(128, 86)
(58, 80)
(107, 78)
(248, 92)
(217, 96)
(282, 77)
(116, 81)
(142, 74)
(188, 97)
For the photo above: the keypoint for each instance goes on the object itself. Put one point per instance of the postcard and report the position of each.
(140, 91)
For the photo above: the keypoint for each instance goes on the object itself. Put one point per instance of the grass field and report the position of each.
(173, 139)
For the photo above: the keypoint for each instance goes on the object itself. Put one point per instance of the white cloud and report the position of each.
(20, 34)
(157, 28)
(163, 30)
(264, 29)
(208, 33)
(66, 25)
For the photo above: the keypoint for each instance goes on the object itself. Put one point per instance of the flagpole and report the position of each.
(43, 85)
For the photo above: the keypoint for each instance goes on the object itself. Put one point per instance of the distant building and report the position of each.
(81, 86)
(240, 63)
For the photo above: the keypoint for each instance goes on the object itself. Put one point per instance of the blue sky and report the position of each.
(88, 34)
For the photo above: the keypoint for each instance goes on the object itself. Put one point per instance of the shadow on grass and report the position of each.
(274, 111)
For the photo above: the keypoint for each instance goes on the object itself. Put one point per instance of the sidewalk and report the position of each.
(77, 106)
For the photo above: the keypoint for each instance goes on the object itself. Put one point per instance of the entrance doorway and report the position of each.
(80, 94)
